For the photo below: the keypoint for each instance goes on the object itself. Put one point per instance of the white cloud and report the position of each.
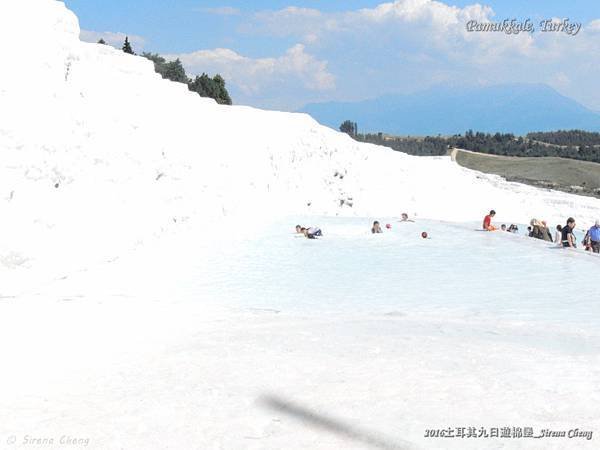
(411, 44)
(594, 25)
(290, 21)
(291, 13)
(259, 79)
(430, 23)
(115, 39)
(220, 11)
(560, 79)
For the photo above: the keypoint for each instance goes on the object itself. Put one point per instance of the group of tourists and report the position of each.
(538, 229)
(563, 237)
(512, 228)
(314, 232)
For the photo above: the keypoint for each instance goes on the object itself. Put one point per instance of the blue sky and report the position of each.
(182, 25)
(273, 55)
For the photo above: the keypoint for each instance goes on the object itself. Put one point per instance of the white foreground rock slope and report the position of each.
(252, 339)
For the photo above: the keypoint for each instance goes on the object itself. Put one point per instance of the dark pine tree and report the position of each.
(214, 88)
(203, 85)
(174, 71)
(127, 46)
(102, 41)
(348, 127)
(222, 95)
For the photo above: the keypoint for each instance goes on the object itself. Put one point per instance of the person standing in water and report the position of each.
(587, 242)
(594, 234)
(558, 235)
(567, 237)
(376, 228)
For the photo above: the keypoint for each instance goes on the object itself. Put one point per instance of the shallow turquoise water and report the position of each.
(459, 272)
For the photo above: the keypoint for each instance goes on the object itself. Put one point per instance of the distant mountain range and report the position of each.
(514, 108)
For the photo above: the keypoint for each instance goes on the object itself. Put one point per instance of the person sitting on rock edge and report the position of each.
(487, 221)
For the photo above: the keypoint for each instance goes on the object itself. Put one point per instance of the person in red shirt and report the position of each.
(487, 221)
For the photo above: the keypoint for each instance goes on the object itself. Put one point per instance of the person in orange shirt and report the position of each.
(487, 221)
